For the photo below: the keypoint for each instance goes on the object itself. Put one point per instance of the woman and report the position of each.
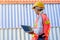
(42, 24)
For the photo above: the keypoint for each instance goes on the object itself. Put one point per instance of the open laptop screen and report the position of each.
(26, 28)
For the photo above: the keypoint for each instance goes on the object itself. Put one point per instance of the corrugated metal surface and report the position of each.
(14, 34)
(19, 34)
(14, 15)
(27, 1)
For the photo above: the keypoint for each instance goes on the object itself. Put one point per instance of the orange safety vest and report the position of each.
(46, 27)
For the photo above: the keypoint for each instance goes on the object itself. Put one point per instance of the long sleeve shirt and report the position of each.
(39, 29)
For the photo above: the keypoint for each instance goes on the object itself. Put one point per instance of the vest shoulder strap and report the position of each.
(45, 19)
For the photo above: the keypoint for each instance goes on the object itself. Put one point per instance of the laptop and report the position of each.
(27, 28)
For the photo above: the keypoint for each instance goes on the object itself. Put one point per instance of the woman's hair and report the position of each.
(39, 9)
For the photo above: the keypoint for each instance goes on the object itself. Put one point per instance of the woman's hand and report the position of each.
(31, 32)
